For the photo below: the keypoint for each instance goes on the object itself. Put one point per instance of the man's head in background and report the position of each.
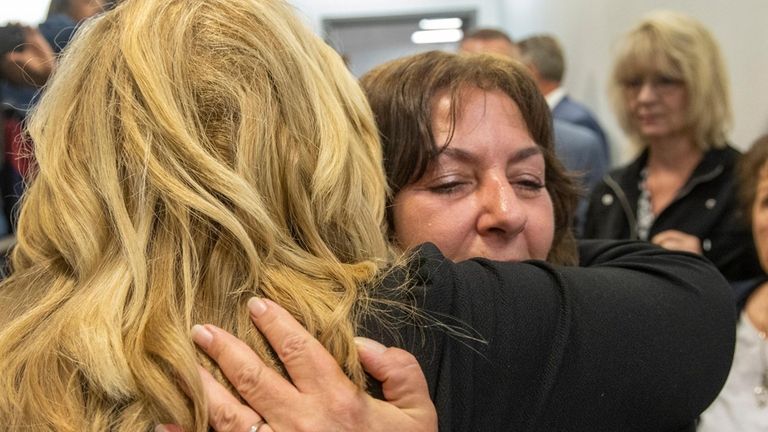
(487, 40)
(544, 57)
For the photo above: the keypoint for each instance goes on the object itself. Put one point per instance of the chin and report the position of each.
(652, 132)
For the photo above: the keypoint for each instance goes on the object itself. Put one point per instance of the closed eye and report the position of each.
(664, 80)
(531, 184)
(764, 202)
(633, 83)
(528, 187)
(448, 187)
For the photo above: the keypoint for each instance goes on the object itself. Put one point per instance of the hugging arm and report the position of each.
(639, 339)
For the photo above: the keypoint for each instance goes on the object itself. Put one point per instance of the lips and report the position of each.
(512, 250)
(649, 115)
(648, 118)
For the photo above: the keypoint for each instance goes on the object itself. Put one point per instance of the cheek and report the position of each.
(630, 104)
(404, 223)
(542, 230)
(418, 220)
(679, 108)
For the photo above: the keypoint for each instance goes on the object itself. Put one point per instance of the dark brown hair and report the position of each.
(401, 94)
(752, 168)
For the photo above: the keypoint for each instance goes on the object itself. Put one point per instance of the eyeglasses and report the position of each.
(660, 84)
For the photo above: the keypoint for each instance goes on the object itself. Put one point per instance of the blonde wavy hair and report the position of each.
(191, 154)
(678, 46)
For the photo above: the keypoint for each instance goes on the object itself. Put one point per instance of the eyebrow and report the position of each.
(465, 156)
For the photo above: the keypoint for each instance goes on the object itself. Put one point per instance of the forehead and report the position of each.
(643, 58)
(488, 124)
(453, 109)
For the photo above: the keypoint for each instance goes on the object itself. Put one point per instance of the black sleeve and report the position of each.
(641, 340)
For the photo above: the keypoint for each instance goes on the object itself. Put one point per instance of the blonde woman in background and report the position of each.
(670, 93)
(186, 168)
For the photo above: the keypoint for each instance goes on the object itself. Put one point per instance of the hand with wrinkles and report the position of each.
(320, 397)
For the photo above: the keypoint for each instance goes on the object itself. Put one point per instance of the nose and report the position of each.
(647, 91)
(502, 213)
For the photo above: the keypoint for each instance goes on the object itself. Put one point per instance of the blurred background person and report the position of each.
(28, 65)
(488, 40)
(544, 56)
(65, 15)
(23, 73)
(743, 403)
(670, 92)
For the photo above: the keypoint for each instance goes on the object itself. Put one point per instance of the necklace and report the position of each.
(761, 390)
(645, 216)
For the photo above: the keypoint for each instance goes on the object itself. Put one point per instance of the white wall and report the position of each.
(368, 45)
(589, 30)
(28, 12)
(489, 11)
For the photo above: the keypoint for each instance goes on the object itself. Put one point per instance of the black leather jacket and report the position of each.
(706, 207)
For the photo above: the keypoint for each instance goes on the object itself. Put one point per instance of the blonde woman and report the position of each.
(185, 168)
(670, 93)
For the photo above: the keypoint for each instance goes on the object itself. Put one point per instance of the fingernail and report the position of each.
(161, 428)
(201, 335)
(370, 345)
(257, 306)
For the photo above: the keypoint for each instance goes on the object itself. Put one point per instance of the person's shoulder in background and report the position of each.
(58, 30)
(574, 112)
(580, 150)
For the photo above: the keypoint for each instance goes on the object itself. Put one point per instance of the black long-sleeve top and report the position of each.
(705, 207)
(639, 340)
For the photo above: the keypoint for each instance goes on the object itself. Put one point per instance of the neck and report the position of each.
(676, 153)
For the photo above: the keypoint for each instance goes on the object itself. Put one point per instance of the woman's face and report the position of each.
(484, 195)
(657, 105)
(760, 218)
